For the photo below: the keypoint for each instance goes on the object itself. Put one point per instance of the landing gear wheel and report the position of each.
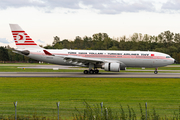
(155, 72)
(85, 71)
(91, 72)
(96, 71)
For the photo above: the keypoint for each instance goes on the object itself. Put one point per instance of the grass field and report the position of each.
(39, 95)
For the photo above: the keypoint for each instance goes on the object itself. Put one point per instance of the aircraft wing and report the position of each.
(83, 60)
(78, 60)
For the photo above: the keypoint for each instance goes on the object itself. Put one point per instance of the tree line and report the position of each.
(166, 42)
(7, 55)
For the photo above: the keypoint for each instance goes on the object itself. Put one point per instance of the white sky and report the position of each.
(44, 19)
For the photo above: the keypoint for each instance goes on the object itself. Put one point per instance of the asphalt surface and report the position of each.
(121, 74)
(81, 75)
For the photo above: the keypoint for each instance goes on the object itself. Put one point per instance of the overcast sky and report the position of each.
(44, 19)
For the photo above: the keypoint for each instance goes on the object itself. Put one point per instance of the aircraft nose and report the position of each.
(175, 61)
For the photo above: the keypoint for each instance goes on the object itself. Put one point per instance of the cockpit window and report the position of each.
(168, 57)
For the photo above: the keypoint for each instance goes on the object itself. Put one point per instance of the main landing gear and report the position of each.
(91, 71)
(96, 71)
(156, 71)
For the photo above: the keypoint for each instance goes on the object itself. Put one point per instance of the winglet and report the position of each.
(47, 53)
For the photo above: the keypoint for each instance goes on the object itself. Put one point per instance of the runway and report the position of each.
(81, 75)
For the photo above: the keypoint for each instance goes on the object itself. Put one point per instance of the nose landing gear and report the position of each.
(156, 71)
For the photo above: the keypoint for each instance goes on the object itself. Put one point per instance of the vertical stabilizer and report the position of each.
(21, 38)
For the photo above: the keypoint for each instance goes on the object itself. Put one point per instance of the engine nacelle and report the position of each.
(114, 67)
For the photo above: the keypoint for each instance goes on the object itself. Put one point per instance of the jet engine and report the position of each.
(114, 67)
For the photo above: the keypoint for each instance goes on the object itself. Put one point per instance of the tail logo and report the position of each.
(21, 38)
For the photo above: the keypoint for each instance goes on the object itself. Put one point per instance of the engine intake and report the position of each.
(114, 67)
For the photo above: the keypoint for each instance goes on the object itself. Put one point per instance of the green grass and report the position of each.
(16, 69)
(39, 95)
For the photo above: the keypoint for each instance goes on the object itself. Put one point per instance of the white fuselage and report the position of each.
(113, 61)
(126, 58)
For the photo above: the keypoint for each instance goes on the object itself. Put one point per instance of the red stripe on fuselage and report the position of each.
(110, 56)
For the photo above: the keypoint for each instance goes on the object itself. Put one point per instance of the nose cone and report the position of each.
(172, 61)
(175, 62)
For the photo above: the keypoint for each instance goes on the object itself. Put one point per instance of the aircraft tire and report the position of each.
(96, 71)
(91, 72)
(155, 72)
(86, 72)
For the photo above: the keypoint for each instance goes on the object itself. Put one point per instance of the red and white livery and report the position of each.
(93, 59)
(21, 38)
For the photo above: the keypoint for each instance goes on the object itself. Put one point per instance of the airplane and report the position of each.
(108, 60)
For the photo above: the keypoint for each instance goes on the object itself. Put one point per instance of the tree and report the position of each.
(3, 54)
(48, 46)
(58, 46)
(106, 43)
(122, 45)
(160, 38)
(56, 40)
(78, 43)
(146, 38)
(177, 38)
(98, 40)
(134, 37)
(87, 42)
(168, 36)
(113, 48)
(123, 38)
(140, 36)
(65, 43)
